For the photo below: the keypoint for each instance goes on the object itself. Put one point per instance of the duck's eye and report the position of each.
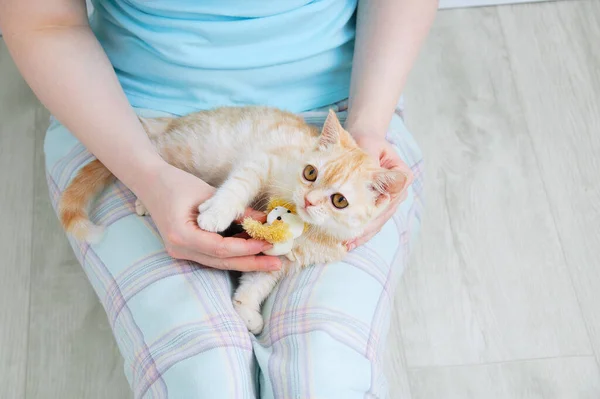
(310, 173)
(339, 201)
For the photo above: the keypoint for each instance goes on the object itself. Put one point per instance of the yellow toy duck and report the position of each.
(283, 226)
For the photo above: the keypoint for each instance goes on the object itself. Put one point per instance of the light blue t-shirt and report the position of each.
(181, 56)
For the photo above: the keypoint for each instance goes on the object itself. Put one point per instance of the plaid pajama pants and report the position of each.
(325, 328)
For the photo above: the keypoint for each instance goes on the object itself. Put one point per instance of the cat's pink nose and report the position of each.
(307, 202)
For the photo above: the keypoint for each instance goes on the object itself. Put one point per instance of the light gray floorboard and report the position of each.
(556, 65)
(489, 282)
(17, 116)
(395, 361)
(560, 378)
(55, 341)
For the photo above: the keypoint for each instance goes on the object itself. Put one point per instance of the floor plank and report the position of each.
(489, 282)
(72, 353)
(16, 192)
(556, 66)
(566, 378)
(395, 361)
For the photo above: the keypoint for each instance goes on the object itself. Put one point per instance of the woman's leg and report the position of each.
(173, 320)
(326, 327)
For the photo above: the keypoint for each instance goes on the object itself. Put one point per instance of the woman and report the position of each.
(172, 319)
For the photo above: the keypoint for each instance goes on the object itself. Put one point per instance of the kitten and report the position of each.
(251, 154)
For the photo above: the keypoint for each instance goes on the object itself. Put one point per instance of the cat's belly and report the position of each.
(211, 166)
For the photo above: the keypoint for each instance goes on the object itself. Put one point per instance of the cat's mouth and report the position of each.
(305, 214)
(308, 215)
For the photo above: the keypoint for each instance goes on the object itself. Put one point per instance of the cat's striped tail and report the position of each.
(90, 181)
(74, 201)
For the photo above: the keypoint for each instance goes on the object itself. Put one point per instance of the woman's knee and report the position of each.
(179, 333)
(317, 364)
(195, 371)
(319, 333)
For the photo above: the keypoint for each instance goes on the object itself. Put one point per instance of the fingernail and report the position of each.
(274, 266)
(267, 246)
(350, 247)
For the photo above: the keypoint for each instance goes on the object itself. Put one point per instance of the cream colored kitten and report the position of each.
(253, 153)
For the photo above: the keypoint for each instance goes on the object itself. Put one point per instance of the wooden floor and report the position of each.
(502, 299)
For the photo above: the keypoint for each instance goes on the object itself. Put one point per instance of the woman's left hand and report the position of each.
(380, 149)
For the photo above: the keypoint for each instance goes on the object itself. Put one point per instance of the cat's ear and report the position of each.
(334, 134)
(389, 184)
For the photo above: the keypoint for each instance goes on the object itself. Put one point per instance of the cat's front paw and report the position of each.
(252, 318)
(216, 217)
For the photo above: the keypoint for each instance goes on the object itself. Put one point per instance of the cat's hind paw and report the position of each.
(140, 209)
(252, 318)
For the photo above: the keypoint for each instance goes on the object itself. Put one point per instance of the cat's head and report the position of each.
(340, 187)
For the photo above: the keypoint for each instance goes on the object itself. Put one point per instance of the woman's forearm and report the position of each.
(388, 38)
(69, 72)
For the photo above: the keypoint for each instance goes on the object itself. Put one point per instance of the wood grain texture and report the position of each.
(556, 66)
(54, 342)
(562, 378)
(489, 282)
(72, 353)
(395, 361)
(16, 191)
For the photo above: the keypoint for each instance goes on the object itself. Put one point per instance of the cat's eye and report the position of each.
(339, 201)
(310, 173)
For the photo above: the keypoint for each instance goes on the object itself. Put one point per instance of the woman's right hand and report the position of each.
(172, 196)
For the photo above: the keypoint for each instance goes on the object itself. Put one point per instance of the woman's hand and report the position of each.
(172, 197)
(379, 148)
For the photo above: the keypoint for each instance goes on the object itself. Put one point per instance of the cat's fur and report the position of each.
(251, 154)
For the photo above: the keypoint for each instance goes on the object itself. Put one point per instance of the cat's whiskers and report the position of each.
(261, 204)
(282, 187)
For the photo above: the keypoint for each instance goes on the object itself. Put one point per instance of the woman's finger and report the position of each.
(241, 263)
(243, 235)
(362, 240)
(374, 227)
(254, 214)
(228, 247)
(250, 263)
(217, 246)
